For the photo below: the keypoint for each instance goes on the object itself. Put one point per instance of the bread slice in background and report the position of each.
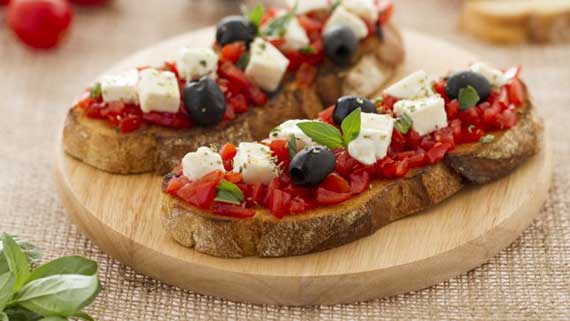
(517, 21)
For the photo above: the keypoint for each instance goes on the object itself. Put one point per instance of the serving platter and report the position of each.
(121, 214)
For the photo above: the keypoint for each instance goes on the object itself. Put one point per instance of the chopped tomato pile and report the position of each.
(350, 177)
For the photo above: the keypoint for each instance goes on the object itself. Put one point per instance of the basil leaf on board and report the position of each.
(65, 265)
(59, 295)
(7, 281)
(404, 123)
(322, 133)
(292, 146)
(53, 319)
(96, 91)
(468, 97)
(228, 192)
(17, 261)
(4, 317)
(18, 313)
(351, 126)
(31, 251)
(255, 15)
(83, 316)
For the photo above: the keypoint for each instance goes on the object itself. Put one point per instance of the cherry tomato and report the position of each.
(90, 2)
(40, 24)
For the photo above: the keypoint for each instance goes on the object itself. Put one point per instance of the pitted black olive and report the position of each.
(463, 79)
(204, 101)
(235, 28)
(340, 45)
(311, 166)
(347, 104)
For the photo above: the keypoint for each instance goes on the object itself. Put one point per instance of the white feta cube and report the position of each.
(267, 65)
(305, 6)
(200, 163)
(494, 76)
(255, 163)
(290, 129)
(413, 86)
(427, 114)
(295, 36)
(120, 87)
(366, 9)
(158, 91)
(343, 18)
(373, 140)
(194, 63)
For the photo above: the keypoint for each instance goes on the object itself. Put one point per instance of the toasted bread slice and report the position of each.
(516, 21)
(154, 148)
(362, 215)
(320, 229)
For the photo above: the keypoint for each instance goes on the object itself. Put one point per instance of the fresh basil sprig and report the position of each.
(467, 97)
(278, 26)
(255, 15)
(404, 123)
(228, 192)
(55, 291)
(329, 136)
(96, 91)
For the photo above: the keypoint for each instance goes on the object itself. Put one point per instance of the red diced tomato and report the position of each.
(306, 75)
(470, 116)
(335, 183)
(233, 177)
(439, 88)
(232, 52)
(130, 123)
(490, 113)
(516, 92)
(417, 160)
(312, 26)
(172, 120)
(176, 183)
(388, 102)
(413, 138)
(230, 113)
(239, 103)
(437, 152)
(386, 13)
(258, 97)
(507, 119)
(234, 75)
(402, 168)
(359, 181)
(280, 149)
(326, 115)
(344, 163)
(471, 134)
(279, 203)
(299, 205)
(326, 197)
(231, 210)
(452, 109)
(455, 126)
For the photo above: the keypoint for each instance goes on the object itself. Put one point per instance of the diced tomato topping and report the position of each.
(228, 152)
(233, 177)
(439, 88)
(130, 123)
(344, 163)
(258, 97)
(306, 75)
(326, 115)
(452, 109)
(238, 102)
(312, 26)
(386, 14)
(335, 183)
(231, 210)
(176, 183)
(232, 73)
(437, 152)
(516, 92)
(232, 52)
(173, 120)
(507, 119)
(359, 181)
(202, 192)
(280, 149)
(326, 197)
(279, 203)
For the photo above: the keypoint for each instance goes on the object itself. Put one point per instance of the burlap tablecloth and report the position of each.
(528, 281)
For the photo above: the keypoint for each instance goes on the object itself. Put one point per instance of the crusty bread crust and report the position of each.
(155, 148)
(509, 22)
(332, 226)
(315, 230)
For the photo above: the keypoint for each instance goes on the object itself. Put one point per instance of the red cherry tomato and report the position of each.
(40, 24)
(90, 2)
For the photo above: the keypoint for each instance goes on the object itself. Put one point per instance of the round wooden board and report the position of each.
(121, 215)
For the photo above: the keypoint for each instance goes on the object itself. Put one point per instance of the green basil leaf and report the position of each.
(243, 60)
(228, 192)
(4, 317)
(31, 251)
(255, 15)
(83, 316)
(53, 319)
(307, 50)
(351, 126)
(7, 281)
(322, 133)
(292, 146)
(17, 261)
(59, 295)
(96, 91)
(18, 313)
(65, 265)
(404, 123)
(468, 97)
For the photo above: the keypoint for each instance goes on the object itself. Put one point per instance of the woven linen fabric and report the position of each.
(530, 280)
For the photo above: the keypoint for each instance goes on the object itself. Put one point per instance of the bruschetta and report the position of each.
(312, 185)
(265, 67)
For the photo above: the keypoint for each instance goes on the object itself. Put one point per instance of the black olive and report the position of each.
(204, 101)
(463, 79)
(235, 28)
(340, 45)
(311, 166)
(347, 104)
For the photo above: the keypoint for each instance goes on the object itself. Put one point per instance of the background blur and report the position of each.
(530, 280)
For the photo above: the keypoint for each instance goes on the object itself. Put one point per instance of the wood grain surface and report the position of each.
(121, 214)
